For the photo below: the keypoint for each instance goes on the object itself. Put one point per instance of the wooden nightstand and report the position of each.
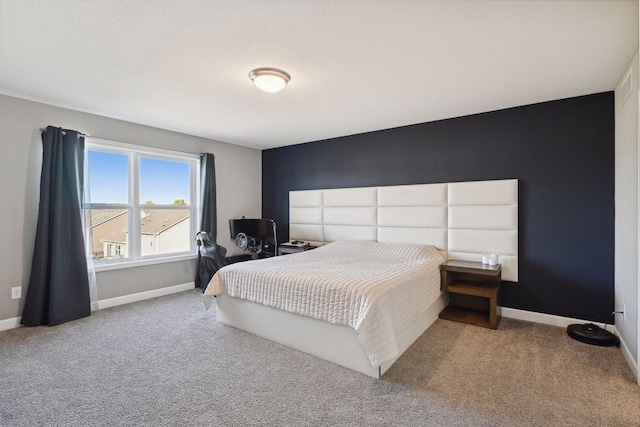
(473, 292)
(285, 250)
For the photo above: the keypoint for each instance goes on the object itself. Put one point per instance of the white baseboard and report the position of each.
(547, 319)
(550, 319)
(140, 296)
(112, 302)
(9, 323)
(627, 355)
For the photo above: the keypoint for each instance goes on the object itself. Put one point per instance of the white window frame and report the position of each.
(134, 205)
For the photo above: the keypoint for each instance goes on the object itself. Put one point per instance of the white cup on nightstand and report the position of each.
(493, 259)
(486, 258)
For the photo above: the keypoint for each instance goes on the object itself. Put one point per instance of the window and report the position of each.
(140, 203)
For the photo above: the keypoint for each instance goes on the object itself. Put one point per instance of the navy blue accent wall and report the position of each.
(561, 151)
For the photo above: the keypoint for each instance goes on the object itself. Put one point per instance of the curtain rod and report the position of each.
(64, 133)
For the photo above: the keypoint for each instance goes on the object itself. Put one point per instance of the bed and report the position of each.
(293, 299)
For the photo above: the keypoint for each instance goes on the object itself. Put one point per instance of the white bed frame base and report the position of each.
(334, 343)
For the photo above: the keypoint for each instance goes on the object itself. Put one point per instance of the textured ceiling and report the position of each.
(356, 66)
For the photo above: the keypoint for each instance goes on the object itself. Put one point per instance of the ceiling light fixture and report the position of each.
(269, 79)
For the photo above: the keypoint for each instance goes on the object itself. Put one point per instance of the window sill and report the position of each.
(107, 266)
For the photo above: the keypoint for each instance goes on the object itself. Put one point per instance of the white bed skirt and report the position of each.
(334, 343)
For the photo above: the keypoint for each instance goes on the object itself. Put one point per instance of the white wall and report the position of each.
(626, 216)
(239, 193)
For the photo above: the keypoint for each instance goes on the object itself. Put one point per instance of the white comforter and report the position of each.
(375, 288)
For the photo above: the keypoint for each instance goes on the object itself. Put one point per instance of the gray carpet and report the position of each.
(166, 362)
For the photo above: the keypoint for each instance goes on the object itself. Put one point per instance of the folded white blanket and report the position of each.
(375, 288)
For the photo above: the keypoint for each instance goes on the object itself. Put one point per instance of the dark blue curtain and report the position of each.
(59, 285)
(208, 222)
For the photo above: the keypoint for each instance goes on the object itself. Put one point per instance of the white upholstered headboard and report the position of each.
(463, 219)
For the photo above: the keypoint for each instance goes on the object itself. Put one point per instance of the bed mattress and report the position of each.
(375, 288)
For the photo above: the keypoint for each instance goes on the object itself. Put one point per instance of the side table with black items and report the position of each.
(285, 249)
(473, 292)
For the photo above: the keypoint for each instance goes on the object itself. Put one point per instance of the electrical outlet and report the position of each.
(16, 292)
(624, 312)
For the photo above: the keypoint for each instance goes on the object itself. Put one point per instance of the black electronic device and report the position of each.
(256, 235)
(592, 334)
(295, 244)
